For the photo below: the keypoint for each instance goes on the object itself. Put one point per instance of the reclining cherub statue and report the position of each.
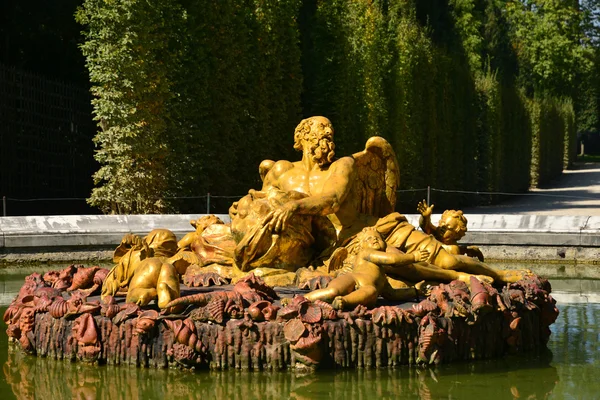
(399, 233)
(367, 280)
(142, 269)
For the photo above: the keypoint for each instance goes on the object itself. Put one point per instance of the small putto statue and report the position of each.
(451, 228)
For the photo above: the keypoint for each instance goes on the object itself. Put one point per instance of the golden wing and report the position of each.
(378, 177)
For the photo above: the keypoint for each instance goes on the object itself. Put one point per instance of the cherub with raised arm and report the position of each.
(451, 228)
(372, 259)
(367, 279)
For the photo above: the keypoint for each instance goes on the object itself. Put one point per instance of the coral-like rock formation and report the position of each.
(246, 326)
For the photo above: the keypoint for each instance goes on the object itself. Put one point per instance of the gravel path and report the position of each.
(576, 192)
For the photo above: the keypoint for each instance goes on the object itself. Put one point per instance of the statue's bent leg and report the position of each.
(464, 264)
(141, 296)
(167, 285)
(365, 295)
(475, 267)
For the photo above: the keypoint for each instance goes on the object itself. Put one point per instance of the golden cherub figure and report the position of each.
(142, 269)
(373, 258)
(367, 279)
(451, 228)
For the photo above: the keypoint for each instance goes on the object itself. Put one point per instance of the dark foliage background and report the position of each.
(189, 96)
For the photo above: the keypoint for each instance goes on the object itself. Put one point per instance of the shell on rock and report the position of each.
(306, 343)
(90, 307)
(83, 278)
(477, 287)
(100, 276)
(51, 276)
(35, 278)
(380, 316)
(310, 313)
(27, 289)
(216, 310)
(252, 284)
(255, 310)
(46, 291)
(297, 301)
(131, 310)
(28, 301)
(293, 330)
(109, 307)
(110, 310)
(234, 309)
(294, 308)
(424, 307)
(327, 310)
(270, 312)
(12, 313)
(61, 284)
(58, 308)
(42, 303)
(27, 319)
(184, 332)
(287, 313)
(145, 322)
(69, 271)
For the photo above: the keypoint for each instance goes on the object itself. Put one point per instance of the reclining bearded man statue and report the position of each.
(307, 208)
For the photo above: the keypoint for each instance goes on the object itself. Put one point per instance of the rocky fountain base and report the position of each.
(251, 326)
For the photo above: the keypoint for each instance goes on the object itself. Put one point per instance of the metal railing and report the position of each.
(427, 192)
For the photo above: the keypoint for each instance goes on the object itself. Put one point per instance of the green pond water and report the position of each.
(568, 370)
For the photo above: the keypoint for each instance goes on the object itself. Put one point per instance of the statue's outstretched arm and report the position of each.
(396, 258)
(425, 219)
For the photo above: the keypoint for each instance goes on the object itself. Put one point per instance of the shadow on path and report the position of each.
(575, 192)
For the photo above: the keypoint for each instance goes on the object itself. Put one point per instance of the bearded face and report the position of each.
(322, 151)
(315, 134)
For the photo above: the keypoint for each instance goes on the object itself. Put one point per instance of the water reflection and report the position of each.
(30, 378)
(568, 370)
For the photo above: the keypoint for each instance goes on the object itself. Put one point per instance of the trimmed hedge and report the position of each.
(192, 96)
(553, 124)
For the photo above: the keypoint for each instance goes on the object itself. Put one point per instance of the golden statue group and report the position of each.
(326, 230)
(325, 223)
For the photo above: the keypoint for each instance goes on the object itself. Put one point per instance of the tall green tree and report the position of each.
(548, 39)
(130, 49)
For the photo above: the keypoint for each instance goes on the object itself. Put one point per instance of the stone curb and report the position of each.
(86, 230)
(501, 237)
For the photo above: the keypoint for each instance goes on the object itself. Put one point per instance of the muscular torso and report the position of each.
(309, 182)
(290, 176)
